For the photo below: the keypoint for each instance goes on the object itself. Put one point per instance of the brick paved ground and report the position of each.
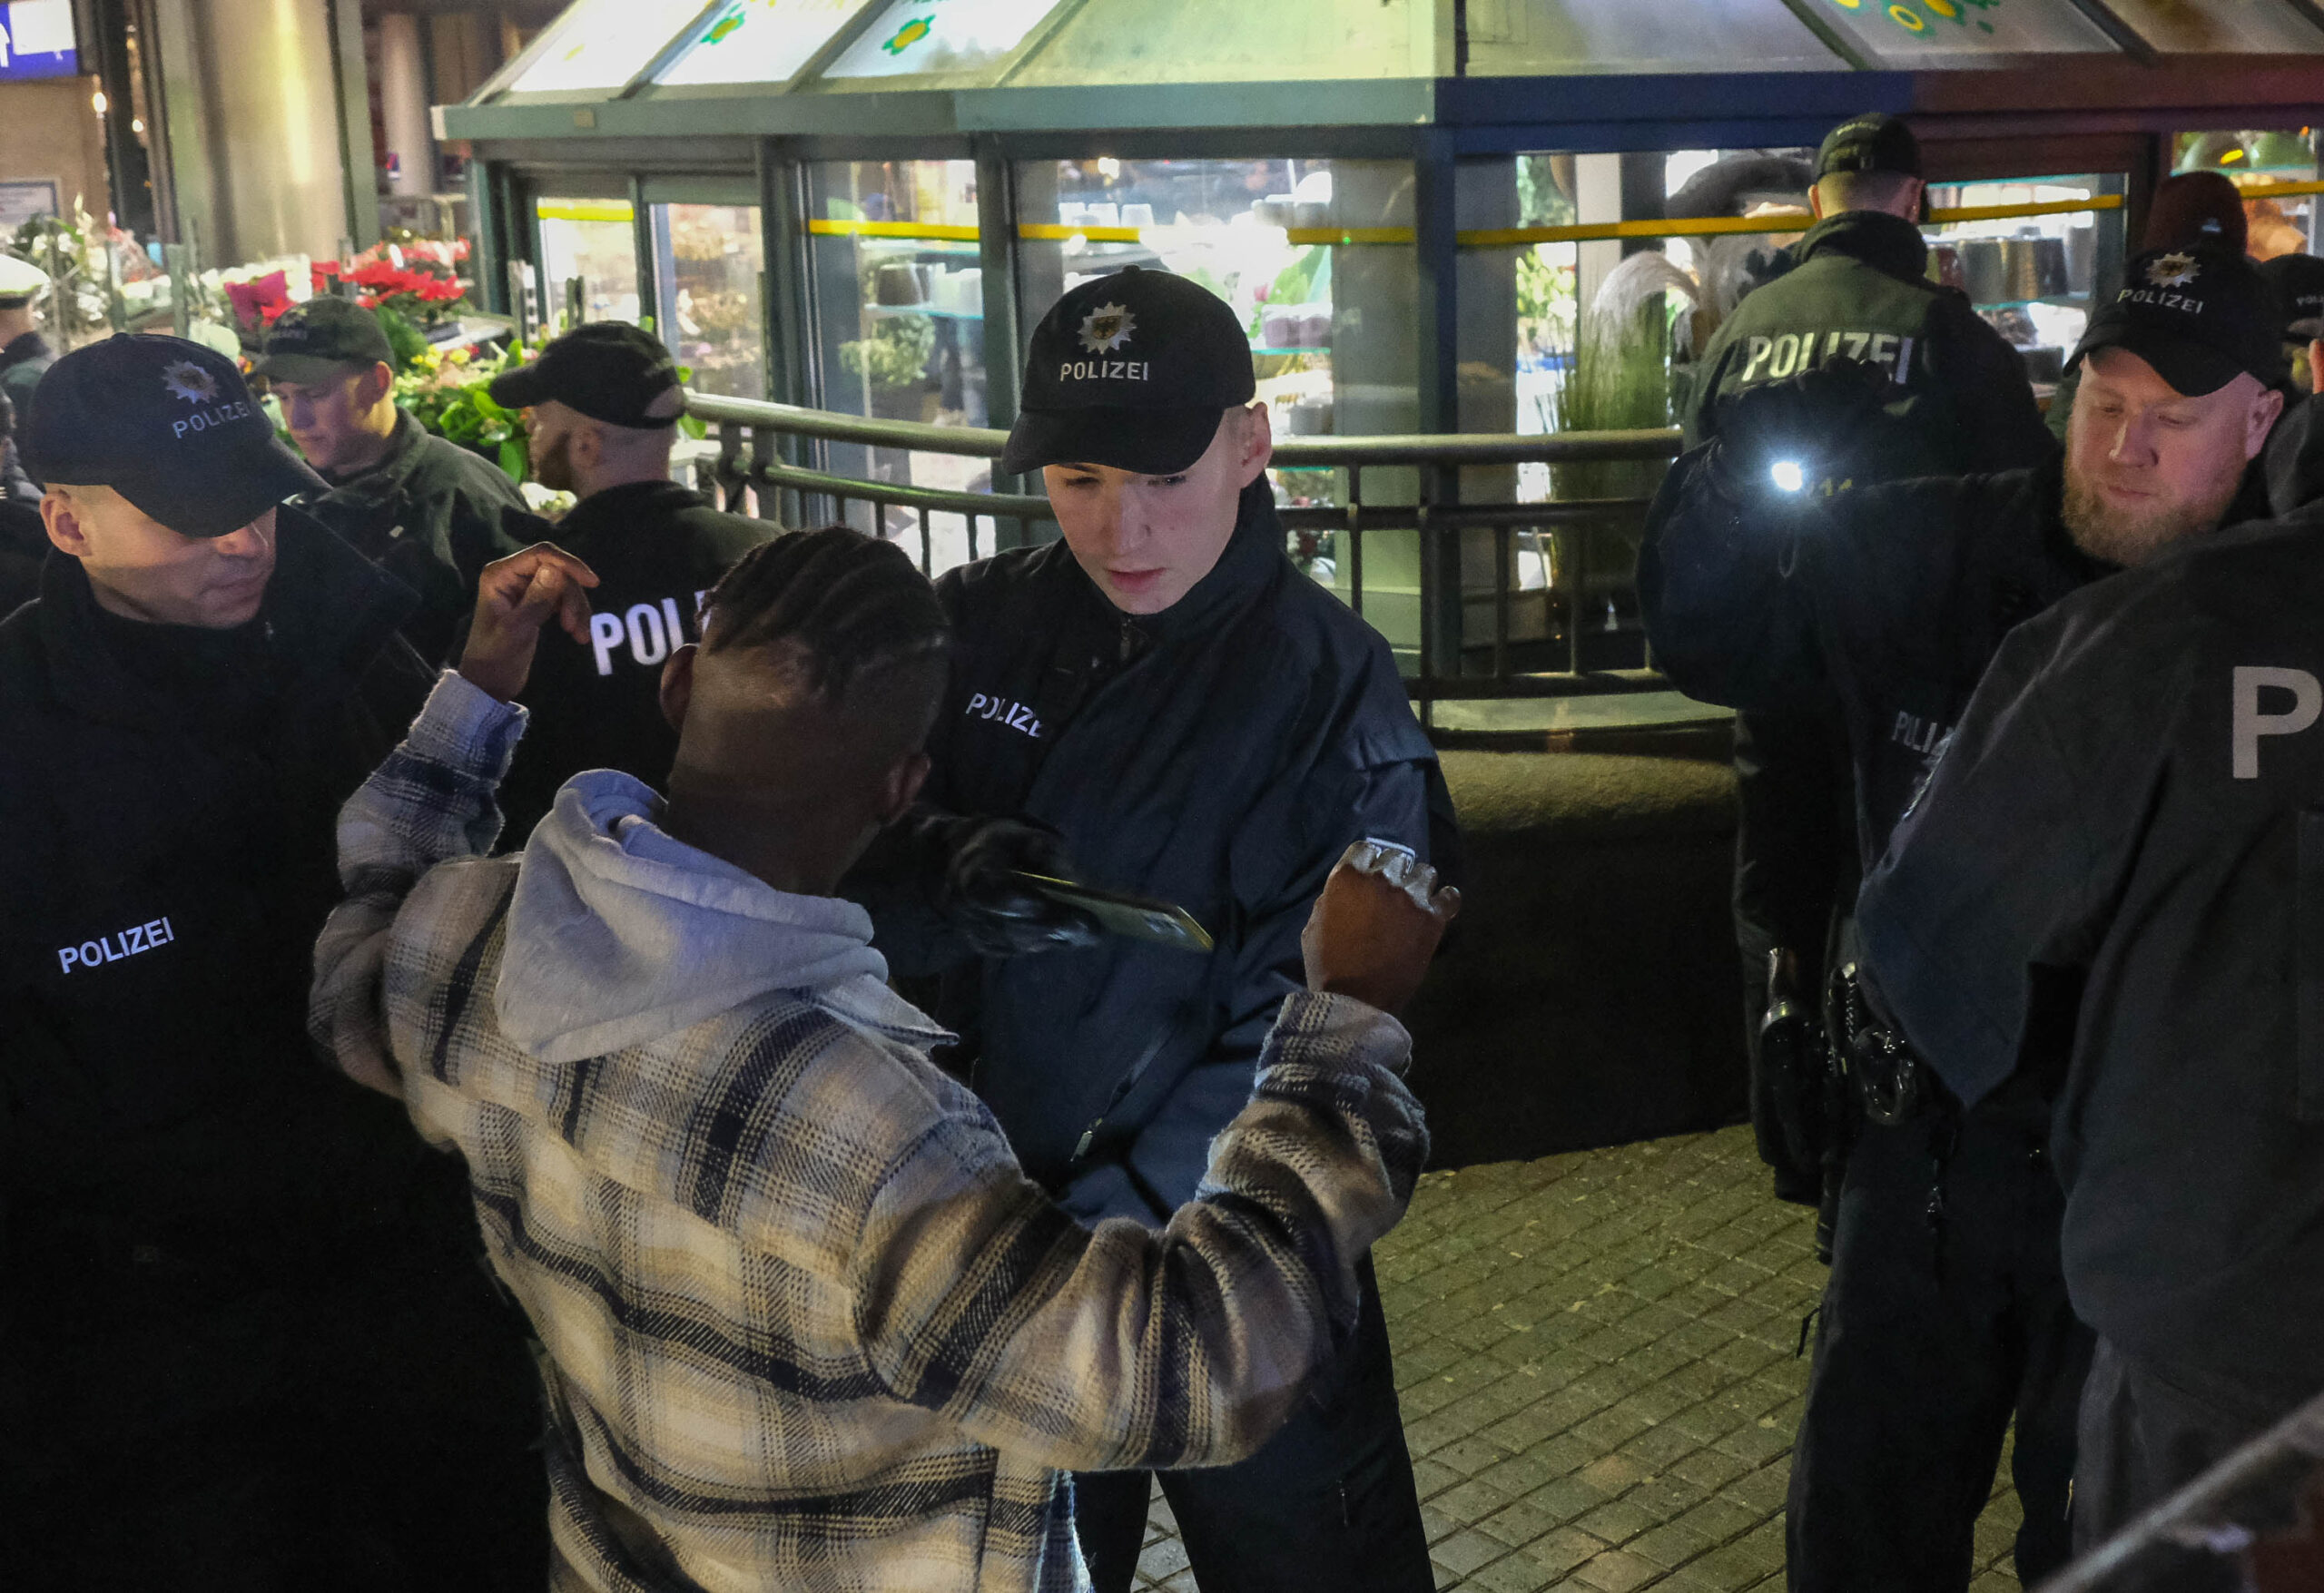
(1595, 1354)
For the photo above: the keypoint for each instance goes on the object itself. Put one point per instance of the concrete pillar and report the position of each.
(253, 118)
(403, 103)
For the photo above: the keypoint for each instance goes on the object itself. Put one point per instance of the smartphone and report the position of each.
(1140, 918)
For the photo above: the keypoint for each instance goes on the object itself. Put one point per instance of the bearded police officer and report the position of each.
(1945, 1314)
(1199, 722)
(2125, 843)
(245, 1340)
(428, 511)
(602, 405)
(1859, 290)
(24, 355)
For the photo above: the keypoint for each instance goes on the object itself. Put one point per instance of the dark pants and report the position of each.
(2147, 1431)
(1794, 839)
(1329, 1502)
(371, 1438)
(1935, 1331)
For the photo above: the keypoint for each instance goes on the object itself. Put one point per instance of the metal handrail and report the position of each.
(780, 447)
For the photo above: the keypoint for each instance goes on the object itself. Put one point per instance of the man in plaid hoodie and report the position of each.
(805, 1323)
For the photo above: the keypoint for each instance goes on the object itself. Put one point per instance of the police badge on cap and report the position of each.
(1132, 370)
(168, 424)
(2200, 316)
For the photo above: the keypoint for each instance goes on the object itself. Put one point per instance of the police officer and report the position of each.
(602, 405)
(245, 1340)
(24, 540)
(1199, 722)
(2298, 283)
(1858, 289)
(24, 354)
(2154, 744)
(1944, 1314)
(428, 511)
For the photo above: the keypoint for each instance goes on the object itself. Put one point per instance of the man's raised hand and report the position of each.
(514, 599)
(1376, 926)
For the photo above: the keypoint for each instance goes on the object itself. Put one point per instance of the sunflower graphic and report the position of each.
(1107, 328)
(910, 34)
(187, 380)
(2172, 270)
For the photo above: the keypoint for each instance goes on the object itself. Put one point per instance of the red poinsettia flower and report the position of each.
(258, 303)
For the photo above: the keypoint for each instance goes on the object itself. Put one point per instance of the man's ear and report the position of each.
(374, 385)
(1816, 201)
(64, 523)
(906, 775)
(677, 686)
(2261, 420)
(1258, 445)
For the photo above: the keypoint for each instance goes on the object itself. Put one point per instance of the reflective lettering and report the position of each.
(1883, 348)
(67, 955)
(648, 642)
(2250, 724)
(605, 635)
(1856, 341)
(677, 631)
(1786, 356)
(1760, 348)
(1903, 360)
(92, 954)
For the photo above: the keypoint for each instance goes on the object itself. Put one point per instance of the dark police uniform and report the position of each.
(2159, 893)
(1944, 1314)
(24, 547)
(1946, 1306)
(245, 1338)
(1859, 291)
(1221, 753)
(23, 362)
(657, 548)
(432, 515)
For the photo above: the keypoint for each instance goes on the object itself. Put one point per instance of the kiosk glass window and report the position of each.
(601, 44)
(2220, 26)
(709, 260)
(899, 297)
(758, 40)
(2264, 164)
(2035, 278)
(913, 38)
(1913, 34)
(594, 240)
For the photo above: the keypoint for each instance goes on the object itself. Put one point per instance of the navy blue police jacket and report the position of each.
(1222, 755)
(169, 1140)
(2125, 842)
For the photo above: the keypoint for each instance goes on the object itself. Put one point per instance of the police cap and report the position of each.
(608, 370)
(1131, 370)
(1873, 141)
(2298, 283)
(324, 338)
(20, 283)
(2200, 316)
(168, 424)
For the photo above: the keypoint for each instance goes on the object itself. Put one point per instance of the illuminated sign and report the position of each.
(37, 39)
(759, 41)
(914, 37)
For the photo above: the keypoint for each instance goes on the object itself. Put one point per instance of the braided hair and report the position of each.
(853, 603)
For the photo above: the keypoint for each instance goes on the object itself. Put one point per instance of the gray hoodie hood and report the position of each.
(619, 935)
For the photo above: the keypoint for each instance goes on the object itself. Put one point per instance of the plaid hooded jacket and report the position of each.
(806, 1324)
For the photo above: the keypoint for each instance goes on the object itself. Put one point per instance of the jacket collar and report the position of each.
(1884, 243)
(384, 479)
(24, 347)
(328, 610)
(617, 508)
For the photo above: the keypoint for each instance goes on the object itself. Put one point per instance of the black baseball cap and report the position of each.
(608, 370)
(168, 424)
(1132, 370)
(326, 336)
(1875, 141)
(2200, 316)
(2298, 283)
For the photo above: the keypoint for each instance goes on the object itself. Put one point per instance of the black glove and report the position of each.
(1798, 437)
(998, 914)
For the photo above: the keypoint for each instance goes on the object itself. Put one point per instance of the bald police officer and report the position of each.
(1945, 1315)
(2125, 842)
(428, 511)
(245, 1338)
(1858, 289)
(601, 407)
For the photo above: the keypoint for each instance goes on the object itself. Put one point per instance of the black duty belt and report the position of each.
(1892, 1084)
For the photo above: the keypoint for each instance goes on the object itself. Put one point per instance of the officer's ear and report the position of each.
(60, 515)
(2260, 421)
(677, 686)
(1257, 445)
(901, 787)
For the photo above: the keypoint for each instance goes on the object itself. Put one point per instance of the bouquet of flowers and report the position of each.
(445, 392)
(420, 281)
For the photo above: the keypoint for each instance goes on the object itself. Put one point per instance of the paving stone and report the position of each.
(1594, 1362)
